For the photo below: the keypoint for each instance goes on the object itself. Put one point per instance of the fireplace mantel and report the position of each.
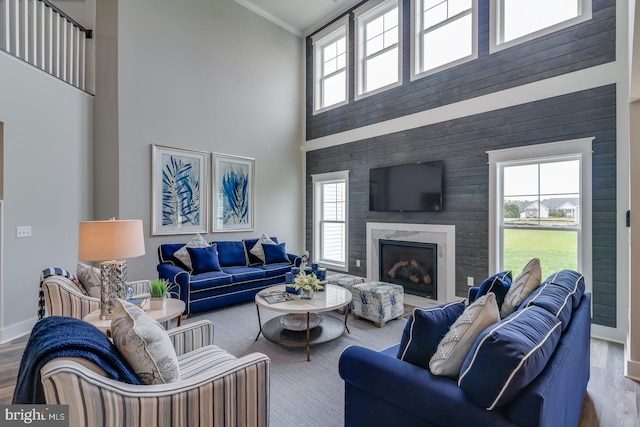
(443, 235)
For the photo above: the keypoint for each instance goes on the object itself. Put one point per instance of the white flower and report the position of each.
(307, 282)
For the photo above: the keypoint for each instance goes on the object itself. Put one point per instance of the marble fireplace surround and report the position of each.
(442, 235)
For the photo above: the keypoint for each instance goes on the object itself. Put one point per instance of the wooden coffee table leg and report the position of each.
(308, 338)
(260, 323)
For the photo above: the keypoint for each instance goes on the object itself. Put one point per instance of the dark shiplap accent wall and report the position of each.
(580, 46)
(462, 145)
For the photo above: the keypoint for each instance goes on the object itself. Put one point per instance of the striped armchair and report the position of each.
(62, 295)
(215, 388)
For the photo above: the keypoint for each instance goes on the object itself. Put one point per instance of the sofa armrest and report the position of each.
(237, 390)
(400, 387)
(192, 336)
(141, 288)
(296, 260)
(180, 280)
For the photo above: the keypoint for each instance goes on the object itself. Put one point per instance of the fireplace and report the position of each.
(413, 265)
(440, 235)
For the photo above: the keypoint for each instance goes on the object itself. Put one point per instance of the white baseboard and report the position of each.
(633, 370)
(16, 331)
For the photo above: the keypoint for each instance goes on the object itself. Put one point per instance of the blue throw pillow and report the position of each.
(499, 284)
(274, 254)
(204, 260)
(251, 258)
(424, 330)
(557, 295)
(509, 356)
(231, 254)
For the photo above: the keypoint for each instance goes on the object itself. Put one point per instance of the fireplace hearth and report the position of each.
(413, 265)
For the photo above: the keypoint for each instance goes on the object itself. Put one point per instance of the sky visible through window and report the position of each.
(522, 17)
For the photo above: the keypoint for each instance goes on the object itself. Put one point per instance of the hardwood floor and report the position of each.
(611, 400)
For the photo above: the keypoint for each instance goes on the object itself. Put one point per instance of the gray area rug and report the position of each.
(304, 394)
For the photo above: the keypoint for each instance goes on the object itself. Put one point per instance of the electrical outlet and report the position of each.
(23, 231)
(469, 281)
(357, 263)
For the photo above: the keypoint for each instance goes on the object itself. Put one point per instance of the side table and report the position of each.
(172, 309)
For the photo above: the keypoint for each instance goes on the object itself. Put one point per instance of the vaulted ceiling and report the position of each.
(299, 17)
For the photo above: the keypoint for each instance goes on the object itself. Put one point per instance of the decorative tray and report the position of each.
(298, 322)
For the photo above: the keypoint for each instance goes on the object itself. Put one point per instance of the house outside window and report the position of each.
(540, 207)
(331, 61)
(379, 46)
(444, 34)
(330, 225)
(517, 21)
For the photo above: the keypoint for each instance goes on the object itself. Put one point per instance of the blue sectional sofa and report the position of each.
(239, 276)
(381, 389)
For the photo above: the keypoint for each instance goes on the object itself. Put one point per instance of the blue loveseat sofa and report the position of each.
(239, 277)
(381, 389)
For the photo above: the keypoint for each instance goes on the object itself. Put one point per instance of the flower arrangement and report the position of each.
(307, 282)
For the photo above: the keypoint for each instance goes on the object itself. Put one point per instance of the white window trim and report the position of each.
(324, 177)
(495, 23)
(340, 25)
(577, 147)
(363, 12)
(416, 43)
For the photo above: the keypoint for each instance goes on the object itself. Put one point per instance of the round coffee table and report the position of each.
(304, 325)
(173, 308)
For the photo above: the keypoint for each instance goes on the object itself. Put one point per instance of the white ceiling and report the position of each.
(299, 17)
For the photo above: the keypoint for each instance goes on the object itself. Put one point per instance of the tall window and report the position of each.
(330, 202)
(331, 58)
(444, 34)
(542, 206)
(516, 21)
(378, 45)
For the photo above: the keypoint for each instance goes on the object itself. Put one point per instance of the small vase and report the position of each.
(157, 303)
(307, 294)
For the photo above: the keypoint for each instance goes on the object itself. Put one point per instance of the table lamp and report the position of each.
(111, 242)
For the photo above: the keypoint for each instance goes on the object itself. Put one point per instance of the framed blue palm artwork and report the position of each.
(232, 193)
(179, 191)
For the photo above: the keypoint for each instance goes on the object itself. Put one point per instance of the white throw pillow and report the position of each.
(183, 255)
(145, 344)
(257, 249)
(457, 343)
(89, 279)
(521, 288)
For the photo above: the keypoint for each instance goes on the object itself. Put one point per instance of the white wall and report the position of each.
(47, 181)
(212, 76)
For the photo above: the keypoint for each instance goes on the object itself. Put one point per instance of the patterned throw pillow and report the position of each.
(183, 255)
(89, 279)
(522, 287)
(455, 345)
(144, 343)
(257, 249)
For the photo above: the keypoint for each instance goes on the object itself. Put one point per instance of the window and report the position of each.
(444, 34)
(541, 207)
(330, 203)
(378, 45)
(331, 58)
(517, 21)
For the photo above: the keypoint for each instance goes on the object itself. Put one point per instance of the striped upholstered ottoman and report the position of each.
(378, 302)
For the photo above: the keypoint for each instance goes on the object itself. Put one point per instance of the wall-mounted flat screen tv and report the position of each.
(415, 187)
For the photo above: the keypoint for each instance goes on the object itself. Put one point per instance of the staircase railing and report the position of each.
(39, 33)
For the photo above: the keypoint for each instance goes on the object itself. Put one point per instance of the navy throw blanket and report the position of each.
(58, 336)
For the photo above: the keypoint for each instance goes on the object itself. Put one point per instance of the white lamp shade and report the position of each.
(110, 240)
